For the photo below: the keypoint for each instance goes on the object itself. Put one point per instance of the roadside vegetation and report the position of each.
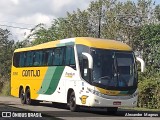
(134, 23)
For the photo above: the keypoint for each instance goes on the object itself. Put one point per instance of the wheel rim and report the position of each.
(28, 98)
(22, 95)
(72, 101)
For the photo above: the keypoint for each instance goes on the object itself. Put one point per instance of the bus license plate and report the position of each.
(117, 103)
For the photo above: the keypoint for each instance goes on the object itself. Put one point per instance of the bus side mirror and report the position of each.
(90, 59)
(142, 63)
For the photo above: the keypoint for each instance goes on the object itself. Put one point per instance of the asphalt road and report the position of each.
(45, 110)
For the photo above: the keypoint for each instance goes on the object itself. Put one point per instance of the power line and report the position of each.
(15, 27)
(17, 23)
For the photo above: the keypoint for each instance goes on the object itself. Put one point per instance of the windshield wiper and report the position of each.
(104, 77)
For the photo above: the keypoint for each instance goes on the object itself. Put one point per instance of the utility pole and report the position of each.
(99, 21)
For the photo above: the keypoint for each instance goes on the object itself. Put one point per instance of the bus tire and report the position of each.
(29, 101)
(28, 97)
(112, 110)
(72, 102)
(22, 96)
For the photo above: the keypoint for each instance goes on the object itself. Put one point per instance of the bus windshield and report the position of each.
(113, 69)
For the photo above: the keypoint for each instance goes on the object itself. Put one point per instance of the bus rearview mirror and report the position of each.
(141, 62)
(90, 59)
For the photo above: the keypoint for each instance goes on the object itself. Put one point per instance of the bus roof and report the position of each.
(88, 41)
(103, 43)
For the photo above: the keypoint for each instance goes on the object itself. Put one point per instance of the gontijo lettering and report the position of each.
(31, 73)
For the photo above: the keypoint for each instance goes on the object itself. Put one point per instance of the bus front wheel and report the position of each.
(22, 96)
(72, 102)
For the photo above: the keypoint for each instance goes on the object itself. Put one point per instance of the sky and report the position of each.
(29, 13)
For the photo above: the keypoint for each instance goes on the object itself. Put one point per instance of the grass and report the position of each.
(141, 109)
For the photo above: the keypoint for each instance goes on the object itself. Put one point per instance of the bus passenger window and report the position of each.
(29, 61)
(22, 59)
(37, 58)
(45, 57)
(70, 59)
(58, 56)
(16, 59)
(67, 58)
(50, 57)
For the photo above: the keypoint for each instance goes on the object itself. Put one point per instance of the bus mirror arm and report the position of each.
(90, 59)
(142, 63)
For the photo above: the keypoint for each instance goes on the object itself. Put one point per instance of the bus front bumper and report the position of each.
(117, 101)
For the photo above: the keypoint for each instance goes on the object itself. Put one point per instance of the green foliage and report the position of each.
(157, 12)
(149, 83)
(149, 91)
(6, 48)
(74, 25)
(148, 41)
(6, 88)
(40, 35)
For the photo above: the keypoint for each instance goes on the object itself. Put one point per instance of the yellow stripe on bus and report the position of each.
(108, 92)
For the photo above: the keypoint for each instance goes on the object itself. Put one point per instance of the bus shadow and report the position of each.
(93, 112)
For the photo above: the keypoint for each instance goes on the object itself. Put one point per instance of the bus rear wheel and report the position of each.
(28, 97)
(29, 101)
(22, 96)
(72, 102)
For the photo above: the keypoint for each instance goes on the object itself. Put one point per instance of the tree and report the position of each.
(6, 48)
(39, 34)
(150, 36)
(110, 19)
(74, 25)
(157, 12)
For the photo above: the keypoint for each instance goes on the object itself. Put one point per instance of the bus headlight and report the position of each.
(95, 92)
(112, 97)
(134, 94)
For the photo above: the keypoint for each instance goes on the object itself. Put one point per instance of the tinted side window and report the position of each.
(59, 56)
(22, 59)
(45, 56)
(29, 61)
(69, 57)
(50, 57)
(16, 59)
(37, 58)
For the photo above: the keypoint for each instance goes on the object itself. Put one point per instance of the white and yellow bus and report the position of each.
(79, 71)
